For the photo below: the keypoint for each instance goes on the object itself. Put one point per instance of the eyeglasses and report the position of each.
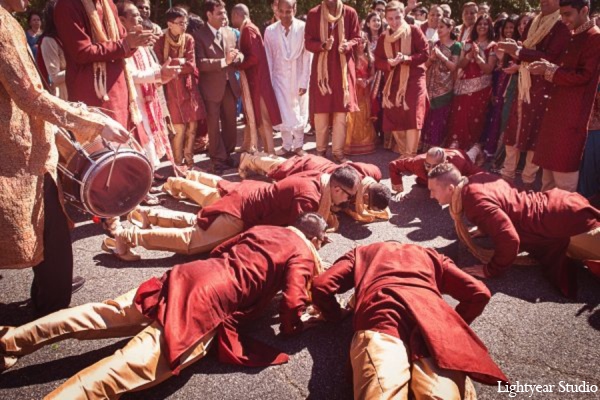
(350, 195)
(184, 23)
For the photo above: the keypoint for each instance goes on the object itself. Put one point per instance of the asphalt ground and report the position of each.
(535, 335)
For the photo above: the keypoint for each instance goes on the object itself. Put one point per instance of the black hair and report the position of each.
(449, 22)
(176, 12)
(209, 6)
(312, 225)
(31, 14)
(576, 4)
(49, 25)
(194, 23)
(345, 176)
(446, 172)
(379, 196)
(366, 28)
(490, 33)
(378, 3)
(122, 5)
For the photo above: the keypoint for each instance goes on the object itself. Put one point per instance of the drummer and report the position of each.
(33, 227)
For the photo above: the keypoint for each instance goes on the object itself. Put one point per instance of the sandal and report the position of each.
(151, 200)
(138, 218)
(109, 245)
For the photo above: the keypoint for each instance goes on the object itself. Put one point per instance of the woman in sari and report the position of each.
(473, 89)
(374, 28)
(360, 133)
(441, 68)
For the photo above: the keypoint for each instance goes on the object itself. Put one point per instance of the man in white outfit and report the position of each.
(289, 64)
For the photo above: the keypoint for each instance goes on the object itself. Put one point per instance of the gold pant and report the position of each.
(261, 163)
(139, 365)
(509, 169)
(562, 180)
(178, 232)
(338, 132)
(585, 246)
(381, 370)
(265, 130)
(407, 142)
(183, 143)
(200, 187)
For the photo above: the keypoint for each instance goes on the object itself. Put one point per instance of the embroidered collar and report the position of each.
(590, 24)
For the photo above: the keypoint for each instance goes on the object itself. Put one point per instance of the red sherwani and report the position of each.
(298, 164)
(416, 166)
(74, 31)
(183, 95)
(256, 67)
(549, 49)
(399, 291)
(397, 118)
(332, 103)
(565, 125)
(261, 203)
(236, 283)
(540, 223)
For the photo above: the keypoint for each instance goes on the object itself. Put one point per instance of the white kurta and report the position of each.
(289, 64)
(54, 58)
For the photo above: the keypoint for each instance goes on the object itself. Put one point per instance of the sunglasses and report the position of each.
(350, 195)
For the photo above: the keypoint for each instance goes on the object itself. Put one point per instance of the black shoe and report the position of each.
(216, 169)
(232, 162)
(77, 284)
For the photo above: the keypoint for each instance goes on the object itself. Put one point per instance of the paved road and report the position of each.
(535, 336)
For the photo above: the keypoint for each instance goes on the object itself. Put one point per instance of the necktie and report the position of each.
(219, 38)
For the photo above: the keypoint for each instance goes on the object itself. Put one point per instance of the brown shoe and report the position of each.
(299, 152)
(340, 160)
(322, 153)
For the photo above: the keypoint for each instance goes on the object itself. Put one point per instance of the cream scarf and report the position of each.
(247, 101)
(325, 204)
(98, 36)
(322, 72)
(540, 27)
(403, 33)
(319, 269)
(362, 213)
(456, 212)
(171, 43)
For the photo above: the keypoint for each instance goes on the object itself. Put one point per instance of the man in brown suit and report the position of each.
(216, 54)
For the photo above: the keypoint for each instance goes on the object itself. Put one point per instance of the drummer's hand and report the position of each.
(140, 37)
(114, 132)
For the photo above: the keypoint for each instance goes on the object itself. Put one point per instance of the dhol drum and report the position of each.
(102, 178)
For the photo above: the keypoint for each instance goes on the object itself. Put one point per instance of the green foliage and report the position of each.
(261, 10)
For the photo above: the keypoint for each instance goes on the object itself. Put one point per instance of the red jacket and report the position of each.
(399, 291)
(236, 283)
(296, 164)
(256, 67)
(416, 166)
(540, 223)
(261, 203)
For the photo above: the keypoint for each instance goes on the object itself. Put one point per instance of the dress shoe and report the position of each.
(232, 163)
(322, 153)
(282, 152)
(216, 169)
(340, 160)
(77, 284)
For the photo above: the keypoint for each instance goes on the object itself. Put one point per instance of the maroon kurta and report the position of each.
(74, 31)
(397, 118)
(416, 166)
(532, 113)
(540, 223)
(238, 281)
(256, 67)
(298, 164)
(183, 95)
(261, 203)
(399, 291)
(565, 125)
(332, 103)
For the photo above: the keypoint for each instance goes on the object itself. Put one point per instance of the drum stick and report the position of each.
(111, 167)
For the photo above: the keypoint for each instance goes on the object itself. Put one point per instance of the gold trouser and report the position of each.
(585, 246)
(200, 187)
(265, 131)
(509, 169)
(139, 365)
(183, 143)
(260, 163)
(562, 180)
(178, 232)
(338, 132)
(407, 142)
(381, 370)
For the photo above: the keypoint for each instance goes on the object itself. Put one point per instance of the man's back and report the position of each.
(309, 162)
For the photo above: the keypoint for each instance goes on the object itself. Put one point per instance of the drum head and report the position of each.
(129, 183)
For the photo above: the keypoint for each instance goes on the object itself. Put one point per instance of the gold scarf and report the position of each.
(325, 204)
(322, 72)
(98, 36)
(365, 214)
(540, 27)
(247, 102)
(456, 212)
(319, 269)
(178, 44)
(403, 34)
